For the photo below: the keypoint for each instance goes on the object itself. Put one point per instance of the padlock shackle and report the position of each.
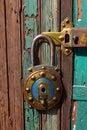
(33, 52)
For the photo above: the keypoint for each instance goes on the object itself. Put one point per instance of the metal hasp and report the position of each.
(69, 37)
(43, 87)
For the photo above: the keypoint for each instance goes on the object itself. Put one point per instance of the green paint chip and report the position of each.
(30, 7)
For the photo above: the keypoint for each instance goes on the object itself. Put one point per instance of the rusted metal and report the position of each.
(43, 87)
(81, 35)
(62, 38)
(34, 50)
(68, 38)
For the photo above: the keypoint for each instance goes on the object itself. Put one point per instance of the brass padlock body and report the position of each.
(48, 90)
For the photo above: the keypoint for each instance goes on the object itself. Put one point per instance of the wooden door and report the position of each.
(79, 113)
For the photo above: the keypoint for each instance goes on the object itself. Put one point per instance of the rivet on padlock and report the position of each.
(43, 87)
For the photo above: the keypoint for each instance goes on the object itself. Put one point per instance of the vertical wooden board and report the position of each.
(3, 72)
(81, 121)
(66, 68)
(32, 118)
(31, 31)
(49, 15)
(79, 117)
(14, 55)
(80, 56)
(66, 9)
(79, 12)
(49, 22)
(80, 61)
(26, 64)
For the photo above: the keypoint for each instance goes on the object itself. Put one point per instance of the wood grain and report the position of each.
(80, 69)
(66, 9)
(66, 68)
(50, 22)
(31, 19)
(13, 13)
(3, 71)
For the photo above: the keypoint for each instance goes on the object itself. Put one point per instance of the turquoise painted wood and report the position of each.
(79, 93)
(32, 120)
(48, 23)
(79, 115)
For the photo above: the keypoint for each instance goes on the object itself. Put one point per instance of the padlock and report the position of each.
(43, 87)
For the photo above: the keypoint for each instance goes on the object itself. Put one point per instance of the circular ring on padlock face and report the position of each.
(41, 87)
(43, 81)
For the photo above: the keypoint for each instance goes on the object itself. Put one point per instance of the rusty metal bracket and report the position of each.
(69, 37)
(62, 38)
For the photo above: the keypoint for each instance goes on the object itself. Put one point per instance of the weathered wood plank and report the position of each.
(50, 22)
(32, 117)
(66, 9)
(13, 15)
(3, 71)
(66, 68)
(79, 11)
(80, 69)
(81, 117)
(80, 61)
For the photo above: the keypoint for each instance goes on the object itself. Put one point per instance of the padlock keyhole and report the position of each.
(43, 90)
(67, 38)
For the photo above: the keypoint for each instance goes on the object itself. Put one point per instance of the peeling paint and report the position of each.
(74, 115)
(79, 11)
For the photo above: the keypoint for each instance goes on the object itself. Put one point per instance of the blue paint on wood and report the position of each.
(30, 7)
(80, 71)
(31, 31)
(26, 64)
(32, 119)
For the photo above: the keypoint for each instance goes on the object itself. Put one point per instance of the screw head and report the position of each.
(63, 25)
(33, 77)
(43, 67)
(30, 69)
(42, 102)
(30, 106)
(57, 89)
(42, 74)
(30, 98)
(28, 90)
(54, 98)
(67, 20)
(53, 77)
(67, 50)
(61, 37)
(57, 68)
